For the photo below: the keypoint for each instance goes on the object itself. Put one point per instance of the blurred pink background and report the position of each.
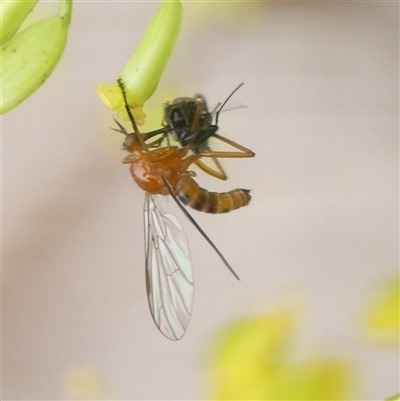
(321, 90)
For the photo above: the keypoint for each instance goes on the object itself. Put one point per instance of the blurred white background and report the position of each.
(321, 90)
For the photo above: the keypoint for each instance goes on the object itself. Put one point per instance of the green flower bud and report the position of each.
(13, 14)
(145, 67)
(30, 56)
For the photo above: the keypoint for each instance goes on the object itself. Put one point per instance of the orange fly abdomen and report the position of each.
(191, 194)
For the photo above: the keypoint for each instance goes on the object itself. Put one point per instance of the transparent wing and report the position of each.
(169, 275)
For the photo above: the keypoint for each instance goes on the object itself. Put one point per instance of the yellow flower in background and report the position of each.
(382, 317)
(395, 398)
(252, 360)
(143, 71)
(82, 383)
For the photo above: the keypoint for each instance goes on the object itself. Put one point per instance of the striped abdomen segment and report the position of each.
(192, 195)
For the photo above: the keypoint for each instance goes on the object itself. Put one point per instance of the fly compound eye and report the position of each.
(177, 118)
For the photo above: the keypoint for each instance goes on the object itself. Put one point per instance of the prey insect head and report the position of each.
(179, 115)
(188, 119)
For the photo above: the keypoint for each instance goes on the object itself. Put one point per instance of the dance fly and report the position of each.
(164, 170)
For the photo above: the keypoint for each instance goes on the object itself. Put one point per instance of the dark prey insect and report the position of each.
(190, 122)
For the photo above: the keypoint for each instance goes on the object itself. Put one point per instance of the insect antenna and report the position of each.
(133, 122)
(226, 101)
(199, 229)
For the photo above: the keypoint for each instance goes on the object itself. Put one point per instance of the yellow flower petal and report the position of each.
(110, 94)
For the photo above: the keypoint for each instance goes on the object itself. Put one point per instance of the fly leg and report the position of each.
(218, 172)
(214, 155)
(243, 151)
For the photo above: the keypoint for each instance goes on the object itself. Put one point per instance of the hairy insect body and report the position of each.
(190, 122)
